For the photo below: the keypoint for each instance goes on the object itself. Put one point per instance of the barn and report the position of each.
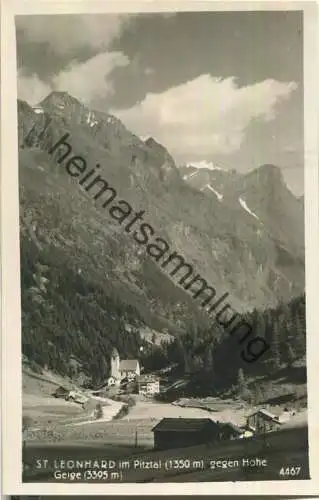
(263, 421)
(61, 392)
(181, 432)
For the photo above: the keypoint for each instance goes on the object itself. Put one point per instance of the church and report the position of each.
(120, 369)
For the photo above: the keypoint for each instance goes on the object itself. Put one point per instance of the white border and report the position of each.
(11, 338)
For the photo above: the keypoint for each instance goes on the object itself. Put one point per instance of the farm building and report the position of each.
(61, 392)
(182, 432)
(263, 421)
(148, 385)
(77, 397)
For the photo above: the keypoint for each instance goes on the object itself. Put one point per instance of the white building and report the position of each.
(125, 368)
(148, 386)
(111, 381)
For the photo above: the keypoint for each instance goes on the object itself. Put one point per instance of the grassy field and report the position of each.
(140, 420)
(40, 409)
(285, 449)
(113, 432)
(57, 431)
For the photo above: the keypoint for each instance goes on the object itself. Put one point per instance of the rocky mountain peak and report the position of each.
(219, 216)
(59, 103)
(156, 146)
(269, 172)
(59, 97)
(161, 152)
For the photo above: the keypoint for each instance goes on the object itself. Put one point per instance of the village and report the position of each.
(127, 383)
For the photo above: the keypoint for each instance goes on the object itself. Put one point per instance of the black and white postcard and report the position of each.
(162, 186)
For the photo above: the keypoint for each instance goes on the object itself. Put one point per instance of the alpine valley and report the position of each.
(88, 286)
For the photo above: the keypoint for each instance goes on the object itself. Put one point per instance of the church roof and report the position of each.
(128, 365)
(184, 424)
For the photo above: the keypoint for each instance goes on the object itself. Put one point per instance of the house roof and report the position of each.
(183, 424)
(265, 413)
(128, 365)
(61, 390)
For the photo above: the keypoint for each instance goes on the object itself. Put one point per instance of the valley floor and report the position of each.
(59, 429)
(55, 420)
(157, 411)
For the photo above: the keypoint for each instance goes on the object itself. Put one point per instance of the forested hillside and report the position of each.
(214, 358)
(71, 325)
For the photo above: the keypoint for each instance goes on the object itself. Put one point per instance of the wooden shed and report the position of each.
(61, 392)
(263, 421)
(181, 432)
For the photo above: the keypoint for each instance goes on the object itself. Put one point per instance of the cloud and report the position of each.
(205, 116)
(86, 81)
(67, 34)
(31, 88)
(89, 80)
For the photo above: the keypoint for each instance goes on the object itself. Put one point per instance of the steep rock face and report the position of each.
(257, 258)
(263, 199)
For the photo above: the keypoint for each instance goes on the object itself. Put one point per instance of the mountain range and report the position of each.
(243, 232)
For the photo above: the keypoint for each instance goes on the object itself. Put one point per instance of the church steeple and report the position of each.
(115, 353)
(115, 364)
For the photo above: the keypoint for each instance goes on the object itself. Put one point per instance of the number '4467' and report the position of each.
(289, 471)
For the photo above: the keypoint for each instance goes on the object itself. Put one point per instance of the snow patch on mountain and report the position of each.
(111, 119)
(245, 207)
(38, 110)
(219, 195)
(204, 164)
(90, 120)
(188, 176)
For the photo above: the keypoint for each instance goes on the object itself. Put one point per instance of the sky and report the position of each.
(220, 87)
